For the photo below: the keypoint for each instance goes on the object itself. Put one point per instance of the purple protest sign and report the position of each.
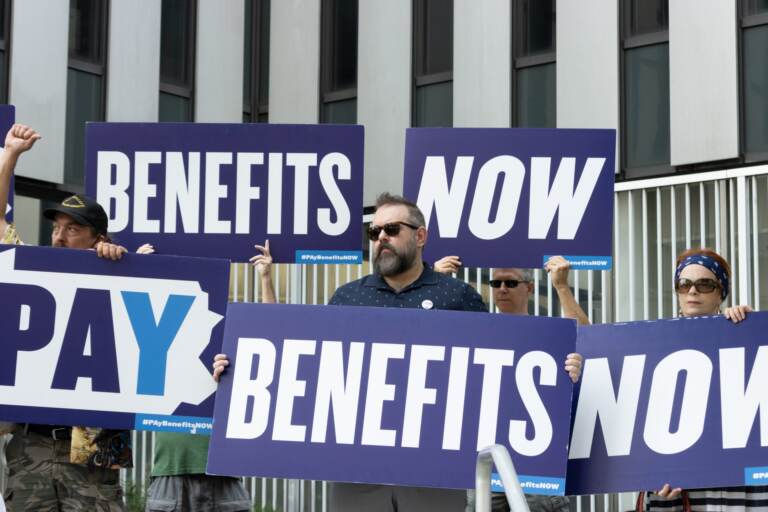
(125, 344)
(7, 118)
(678, 402)
(510, 197)
(394, 396)
(218, 189)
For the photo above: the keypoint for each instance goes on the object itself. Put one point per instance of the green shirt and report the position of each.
(180, 454)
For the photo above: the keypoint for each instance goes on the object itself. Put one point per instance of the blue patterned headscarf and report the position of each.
(711, 264)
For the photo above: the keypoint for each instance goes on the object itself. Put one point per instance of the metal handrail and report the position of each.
(497, 455)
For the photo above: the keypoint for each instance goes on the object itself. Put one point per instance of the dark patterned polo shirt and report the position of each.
(432, 290)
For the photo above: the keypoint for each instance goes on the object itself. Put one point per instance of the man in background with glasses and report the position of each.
(401, 279)
(512, 289)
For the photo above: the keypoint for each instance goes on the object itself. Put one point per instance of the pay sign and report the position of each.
(511, 197)
(108, 344)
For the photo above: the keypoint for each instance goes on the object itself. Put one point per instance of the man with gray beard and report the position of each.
(401, 280)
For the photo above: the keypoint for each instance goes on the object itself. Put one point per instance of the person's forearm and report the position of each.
(267, 289)
(571, 308)
(7, 165)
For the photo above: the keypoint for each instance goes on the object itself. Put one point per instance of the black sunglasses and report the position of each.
(390, 228)
(510, 283)
(701, 285)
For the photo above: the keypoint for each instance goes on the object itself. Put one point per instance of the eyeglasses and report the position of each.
(510, 283)
(701, 285)
(390, 228)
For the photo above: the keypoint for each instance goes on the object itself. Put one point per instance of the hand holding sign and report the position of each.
(110, 251)
(447, 265)
(145, 249)
(220, 363)
(557, 267)
(738, 313)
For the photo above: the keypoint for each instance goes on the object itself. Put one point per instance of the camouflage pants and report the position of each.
(42, 479)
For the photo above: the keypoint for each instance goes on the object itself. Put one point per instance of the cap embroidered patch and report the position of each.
(73, 202)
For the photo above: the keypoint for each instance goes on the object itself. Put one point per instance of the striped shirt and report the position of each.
(726, 499)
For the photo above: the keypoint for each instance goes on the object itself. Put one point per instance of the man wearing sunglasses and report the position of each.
(401, 279)
(512, 288)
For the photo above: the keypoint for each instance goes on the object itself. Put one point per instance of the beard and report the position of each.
(394, 262)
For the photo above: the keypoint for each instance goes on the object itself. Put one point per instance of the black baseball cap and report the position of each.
(84, 210)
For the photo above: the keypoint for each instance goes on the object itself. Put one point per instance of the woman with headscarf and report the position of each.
(702, 283)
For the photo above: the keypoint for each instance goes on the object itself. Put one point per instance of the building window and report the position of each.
(86, 80)
(534, 63)
(5, 39)
(256, 62)
(754, 24)
(645, 87)
(338, 65)
(177, 60)
(433, 62)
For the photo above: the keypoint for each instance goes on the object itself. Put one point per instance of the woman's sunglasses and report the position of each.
(702, 285)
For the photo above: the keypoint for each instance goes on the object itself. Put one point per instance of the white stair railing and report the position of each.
(497, 455)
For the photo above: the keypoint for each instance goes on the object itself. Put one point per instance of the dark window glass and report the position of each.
(436, 39)
(256, 61)
(85, 30)
(645, 98)
(434, 105)
(248, 52)
(342, 42)
(177, 54)
(2, 20)
(340, 112)
(537, 26)
(84, 103)
(755, 6)
(46, 226)
(536, 97)
(5, 7)
(176, 50)
(339, 61)
(174, 108)
(264, 54)
(646, 16)
(646, 76)
(433, 62)
(756, 89)
(85, 80)
(3, 77)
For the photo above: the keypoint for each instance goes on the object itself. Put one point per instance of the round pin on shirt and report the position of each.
(427, 304)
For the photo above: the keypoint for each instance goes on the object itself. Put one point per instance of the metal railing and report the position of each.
(497, 455)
